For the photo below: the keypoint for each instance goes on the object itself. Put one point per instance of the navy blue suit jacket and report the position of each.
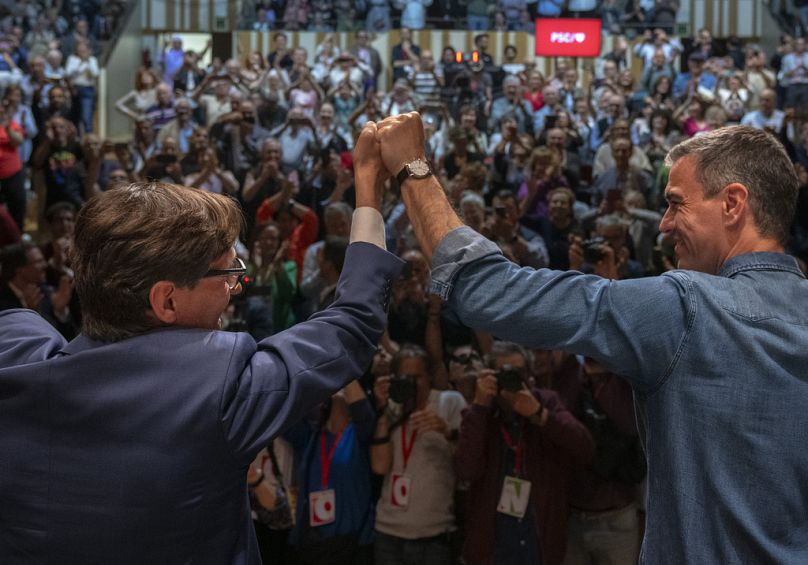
(136, 451)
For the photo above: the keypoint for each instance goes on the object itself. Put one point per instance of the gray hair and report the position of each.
(506, 349)
(753, 158)
(611, 220)
(469, 197)
(340, 208)
(510, 79)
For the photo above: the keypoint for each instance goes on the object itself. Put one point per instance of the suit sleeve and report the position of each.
(293, 371)
(26, 337)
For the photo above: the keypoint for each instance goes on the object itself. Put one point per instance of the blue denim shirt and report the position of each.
(719, 366)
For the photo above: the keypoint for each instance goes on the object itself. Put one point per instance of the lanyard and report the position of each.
(517, 449)
(406, 450)
(325, 460)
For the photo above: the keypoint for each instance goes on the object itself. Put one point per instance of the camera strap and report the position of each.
(516, 448)
(327, 457)
(406, 450)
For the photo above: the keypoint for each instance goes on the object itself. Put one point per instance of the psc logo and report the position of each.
(565, 37)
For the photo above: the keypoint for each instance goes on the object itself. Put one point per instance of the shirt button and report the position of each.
(522, 542)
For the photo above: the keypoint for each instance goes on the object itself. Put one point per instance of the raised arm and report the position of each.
(637, 326)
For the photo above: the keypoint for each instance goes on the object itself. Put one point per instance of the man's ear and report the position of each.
(163, 302)
(736, 203)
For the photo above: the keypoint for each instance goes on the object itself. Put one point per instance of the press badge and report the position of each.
(400, 490)
(515, 497)
(322, 507)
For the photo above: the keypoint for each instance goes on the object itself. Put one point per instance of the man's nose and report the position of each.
(665, 224)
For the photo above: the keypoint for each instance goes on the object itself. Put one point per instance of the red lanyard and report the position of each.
(325, 460)
(517, 449)
(406, 450)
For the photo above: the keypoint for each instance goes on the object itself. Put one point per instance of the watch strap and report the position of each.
(403, 175)
(406, 172)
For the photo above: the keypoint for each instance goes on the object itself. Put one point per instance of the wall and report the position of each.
(117, 77)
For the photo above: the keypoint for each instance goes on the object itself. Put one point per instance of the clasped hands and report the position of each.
(381, 151)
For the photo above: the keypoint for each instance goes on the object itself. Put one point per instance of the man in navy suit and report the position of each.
(131, 443)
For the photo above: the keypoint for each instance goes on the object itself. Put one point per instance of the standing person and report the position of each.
(404, 55)
(12, 177)
(700, 346)
(365, 52)
(136, 102)
(334, 524)
(515, 448)
(21, 113)
(604, 496)
(173, 57)
(794, 75)
(412, 449)
(153, 415)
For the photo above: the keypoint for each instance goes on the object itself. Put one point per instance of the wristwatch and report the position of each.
(417, 169)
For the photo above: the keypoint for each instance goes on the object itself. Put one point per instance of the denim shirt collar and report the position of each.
(761, 261)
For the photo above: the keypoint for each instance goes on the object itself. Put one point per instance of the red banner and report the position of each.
(567, 37)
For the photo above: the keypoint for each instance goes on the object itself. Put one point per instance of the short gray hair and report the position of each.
(340, 208)
(611, 220)
(754, 159)
(510, 79)
(469, 197)
(506, 349)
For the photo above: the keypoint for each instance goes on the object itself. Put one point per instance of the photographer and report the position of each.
(298, 137)
(511, 103)
(412, 449)
(606, 254)
(334, 516)
(604, 495)
(515, 446)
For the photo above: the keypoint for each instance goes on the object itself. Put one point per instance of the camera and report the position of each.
(593, 249)
(509, 378)
(402, 388)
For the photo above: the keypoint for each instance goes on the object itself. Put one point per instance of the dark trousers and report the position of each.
(12, 192)
(392, 550)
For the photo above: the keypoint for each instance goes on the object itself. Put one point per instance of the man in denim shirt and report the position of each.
(715, 351)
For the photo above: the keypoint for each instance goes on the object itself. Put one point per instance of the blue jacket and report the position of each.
(137, 451)
(719, 369)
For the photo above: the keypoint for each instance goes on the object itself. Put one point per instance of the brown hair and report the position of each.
(547, 157)
(753, 158)
(131, 237)
(475, 174)
(139, 78)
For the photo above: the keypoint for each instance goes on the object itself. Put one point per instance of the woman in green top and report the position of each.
(272, 284)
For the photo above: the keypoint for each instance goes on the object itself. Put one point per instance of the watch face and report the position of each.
(419, 169)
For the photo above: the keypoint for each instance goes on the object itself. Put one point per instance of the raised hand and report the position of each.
(61, 296)
(523, 402)
(402, 140)
(486, 388)
(370, 173)
(428, 421)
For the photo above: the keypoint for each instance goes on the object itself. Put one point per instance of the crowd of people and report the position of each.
(453, 445)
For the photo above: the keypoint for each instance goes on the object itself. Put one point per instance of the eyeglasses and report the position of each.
(233, 276)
